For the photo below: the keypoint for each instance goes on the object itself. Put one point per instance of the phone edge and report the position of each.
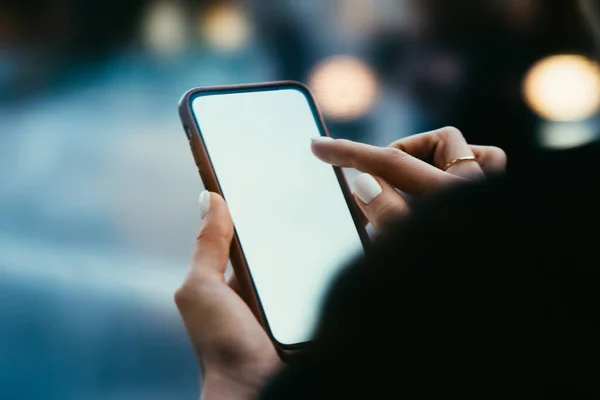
(210, 181)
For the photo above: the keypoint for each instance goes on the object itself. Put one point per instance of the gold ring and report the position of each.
(459, 160)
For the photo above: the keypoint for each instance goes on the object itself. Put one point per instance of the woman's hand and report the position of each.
(236, 355)
(416, 165)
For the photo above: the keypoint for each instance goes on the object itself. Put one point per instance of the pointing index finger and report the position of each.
(405, 172)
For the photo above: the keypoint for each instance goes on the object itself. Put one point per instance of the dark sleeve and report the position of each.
(462, 297)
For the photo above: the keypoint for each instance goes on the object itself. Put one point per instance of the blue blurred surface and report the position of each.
(98, 213)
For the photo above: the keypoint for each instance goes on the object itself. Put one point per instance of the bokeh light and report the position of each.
(344, 87)
(563, 88)
(165, 28)
(563, 135)
(225, 27)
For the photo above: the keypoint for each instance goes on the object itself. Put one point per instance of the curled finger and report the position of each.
(445, 148)
(378, 200)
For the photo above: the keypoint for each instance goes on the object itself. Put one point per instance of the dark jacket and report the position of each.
(487, 291)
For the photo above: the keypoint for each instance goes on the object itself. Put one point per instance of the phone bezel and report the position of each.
(211, 182)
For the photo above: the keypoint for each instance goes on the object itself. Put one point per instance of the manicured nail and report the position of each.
(321, 139)
(367, 188)
(204, 201)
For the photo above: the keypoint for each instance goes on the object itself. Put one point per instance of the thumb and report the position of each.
(213, 241)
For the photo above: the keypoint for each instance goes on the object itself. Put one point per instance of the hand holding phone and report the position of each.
(296, 225)
(236, 355)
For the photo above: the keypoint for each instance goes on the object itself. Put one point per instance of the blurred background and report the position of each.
(98, 190)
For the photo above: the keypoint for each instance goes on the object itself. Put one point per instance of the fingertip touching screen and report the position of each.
(292, 220)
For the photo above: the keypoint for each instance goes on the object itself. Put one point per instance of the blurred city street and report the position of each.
(98, 189)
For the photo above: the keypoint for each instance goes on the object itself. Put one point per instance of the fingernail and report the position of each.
(204, 201)
(367, 188)
(321, 139)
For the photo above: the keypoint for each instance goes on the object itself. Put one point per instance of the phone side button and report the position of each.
(188, 132)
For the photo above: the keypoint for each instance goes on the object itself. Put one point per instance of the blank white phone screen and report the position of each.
(292, 220)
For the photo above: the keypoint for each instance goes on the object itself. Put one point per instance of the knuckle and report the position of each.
(389, 158)
(397, 144)
(203, 236)
(188, 293)
(216, 237)
(451, 132)
(497, 154)
(183, 296)
(391, 152)
(387, 212)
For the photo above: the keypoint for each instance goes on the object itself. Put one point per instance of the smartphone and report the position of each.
(296, 223)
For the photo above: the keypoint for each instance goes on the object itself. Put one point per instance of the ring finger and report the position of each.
(443, 147)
